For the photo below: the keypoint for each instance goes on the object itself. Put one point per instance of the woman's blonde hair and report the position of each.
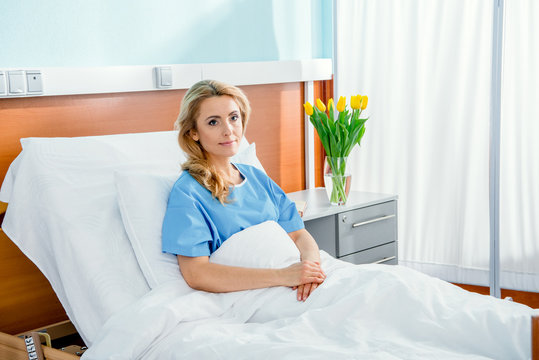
(197, 162)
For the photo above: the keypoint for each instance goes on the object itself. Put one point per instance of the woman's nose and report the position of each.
(227, 128)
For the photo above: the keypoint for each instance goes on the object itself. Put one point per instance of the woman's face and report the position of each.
(219, 127)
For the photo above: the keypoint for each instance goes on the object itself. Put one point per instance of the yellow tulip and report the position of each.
(354, 102)
(341, 104)
(364, 101)
(320, 105)
(308, 108)
(330, 104)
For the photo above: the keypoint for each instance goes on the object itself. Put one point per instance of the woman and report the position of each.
(214, 198)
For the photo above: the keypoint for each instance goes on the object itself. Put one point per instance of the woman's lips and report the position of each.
(227, 143)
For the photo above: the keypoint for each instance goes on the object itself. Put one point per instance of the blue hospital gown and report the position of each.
(196, 224)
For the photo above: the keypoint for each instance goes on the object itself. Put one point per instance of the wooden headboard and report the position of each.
(27, 300)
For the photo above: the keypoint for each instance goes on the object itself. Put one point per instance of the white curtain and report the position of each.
(426, 67)
(519, 151)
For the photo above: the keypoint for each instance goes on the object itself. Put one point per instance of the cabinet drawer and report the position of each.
(323, 231)
(384, 254)
(366, 228)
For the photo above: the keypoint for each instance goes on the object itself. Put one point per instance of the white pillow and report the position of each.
(142, 199)
(247, 155)
(63, 214)
(266, 245)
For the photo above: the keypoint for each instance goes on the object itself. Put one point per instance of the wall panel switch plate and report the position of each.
(163, 77)
(3, 86)
(34, 82)
(16, 83)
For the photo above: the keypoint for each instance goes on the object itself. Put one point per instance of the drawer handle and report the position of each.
(373, 220)
(384, 260)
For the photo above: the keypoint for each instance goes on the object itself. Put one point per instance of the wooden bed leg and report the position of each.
(535, 337)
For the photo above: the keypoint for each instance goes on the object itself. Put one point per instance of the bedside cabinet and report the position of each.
(363, 231)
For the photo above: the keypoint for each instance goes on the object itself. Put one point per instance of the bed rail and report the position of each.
(14, 348)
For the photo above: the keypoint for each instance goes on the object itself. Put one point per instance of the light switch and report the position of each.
(166, 77)
(3, 86)
(16, 81)
(163, 76)
(33, 82)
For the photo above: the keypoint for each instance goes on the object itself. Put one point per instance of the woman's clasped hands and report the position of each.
(304, 276)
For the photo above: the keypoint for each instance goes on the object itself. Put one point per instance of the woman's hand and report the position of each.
(304, 276)
(305, 290)
(303, 272)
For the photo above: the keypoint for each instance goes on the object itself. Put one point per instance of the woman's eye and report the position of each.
(212, 122)
(235, 118)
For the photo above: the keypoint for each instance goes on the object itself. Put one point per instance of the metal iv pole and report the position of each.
(494, 152)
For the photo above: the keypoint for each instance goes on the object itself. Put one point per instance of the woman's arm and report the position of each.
(200, 274)
(306, 245)
(309, 251)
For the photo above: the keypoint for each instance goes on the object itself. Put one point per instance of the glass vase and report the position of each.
(337, 179)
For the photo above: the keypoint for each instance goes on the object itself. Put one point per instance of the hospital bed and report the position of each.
(87, 211)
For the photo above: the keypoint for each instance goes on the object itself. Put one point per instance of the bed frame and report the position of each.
(14, 348)
(27, 300)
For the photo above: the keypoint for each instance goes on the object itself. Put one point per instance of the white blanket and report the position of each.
(360, 311)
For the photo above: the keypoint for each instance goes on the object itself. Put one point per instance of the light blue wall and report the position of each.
(38, 33)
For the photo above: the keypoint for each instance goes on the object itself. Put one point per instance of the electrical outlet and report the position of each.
(3, 87)
(33, 82)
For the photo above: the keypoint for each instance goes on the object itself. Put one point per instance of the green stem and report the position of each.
(338, 190)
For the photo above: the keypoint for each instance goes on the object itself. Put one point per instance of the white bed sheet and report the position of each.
(359, 312)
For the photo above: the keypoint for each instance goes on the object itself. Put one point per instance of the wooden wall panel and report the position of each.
(530, 299)
(535, 338)
(26, 299)
(276, 124)
(323, 90)
(279, 120)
